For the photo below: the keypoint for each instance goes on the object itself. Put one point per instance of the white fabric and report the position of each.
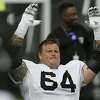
(24, 24)
(28, 19)
(32, 82)
(95, 24)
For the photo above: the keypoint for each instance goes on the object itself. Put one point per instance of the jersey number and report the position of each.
(54, 85)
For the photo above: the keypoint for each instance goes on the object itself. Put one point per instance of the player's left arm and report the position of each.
(92, 66)
(94, 19)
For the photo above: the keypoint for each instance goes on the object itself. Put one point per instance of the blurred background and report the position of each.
(10, 14)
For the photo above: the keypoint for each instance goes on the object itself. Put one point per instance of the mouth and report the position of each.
(53, 58)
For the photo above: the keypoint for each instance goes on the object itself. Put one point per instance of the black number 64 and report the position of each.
(63, 84)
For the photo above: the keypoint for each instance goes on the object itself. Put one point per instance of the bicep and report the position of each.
(17, 75)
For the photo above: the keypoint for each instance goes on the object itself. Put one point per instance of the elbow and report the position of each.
(16, 40)
(88, 75)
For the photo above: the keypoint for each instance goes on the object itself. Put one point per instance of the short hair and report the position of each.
(48, 41)
(64, 6)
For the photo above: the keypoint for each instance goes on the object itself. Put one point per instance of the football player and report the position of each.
(48, 80)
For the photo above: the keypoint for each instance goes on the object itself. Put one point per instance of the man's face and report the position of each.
(70, 16)
(50, 55)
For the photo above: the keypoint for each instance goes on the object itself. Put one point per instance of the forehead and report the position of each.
(70, 10)
(50, 46)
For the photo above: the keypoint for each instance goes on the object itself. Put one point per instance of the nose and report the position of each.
(54, 53)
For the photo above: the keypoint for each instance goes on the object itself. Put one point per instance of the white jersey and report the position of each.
(43, 83)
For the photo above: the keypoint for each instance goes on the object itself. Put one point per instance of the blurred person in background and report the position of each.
(76, 39)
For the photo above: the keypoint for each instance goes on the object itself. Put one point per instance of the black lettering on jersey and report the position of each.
(63, 84)
(44, 79)
(71, 85)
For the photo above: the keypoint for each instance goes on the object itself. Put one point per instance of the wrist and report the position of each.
(21, 30)
(27, 19)
(95, 24)
(97, 33)
(23, 26)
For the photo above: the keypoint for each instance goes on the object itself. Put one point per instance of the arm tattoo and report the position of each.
(19, 73)
(17, 40)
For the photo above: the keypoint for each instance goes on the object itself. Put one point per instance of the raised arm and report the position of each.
(19, 69)
(28, 19)
(92, 67)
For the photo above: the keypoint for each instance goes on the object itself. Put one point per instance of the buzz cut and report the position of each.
(48, 41)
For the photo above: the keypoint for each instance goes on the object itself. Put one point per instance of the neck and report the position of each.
(50, 66)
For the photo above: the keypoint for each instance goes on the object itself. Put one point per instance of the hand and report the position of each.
(28, 19)
(94, 21)
(94, 17)
(30, 13)
(32, 9)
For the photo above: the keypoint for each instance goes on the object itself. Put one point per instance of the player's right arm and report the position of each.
(19, 68)
(27, 20)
